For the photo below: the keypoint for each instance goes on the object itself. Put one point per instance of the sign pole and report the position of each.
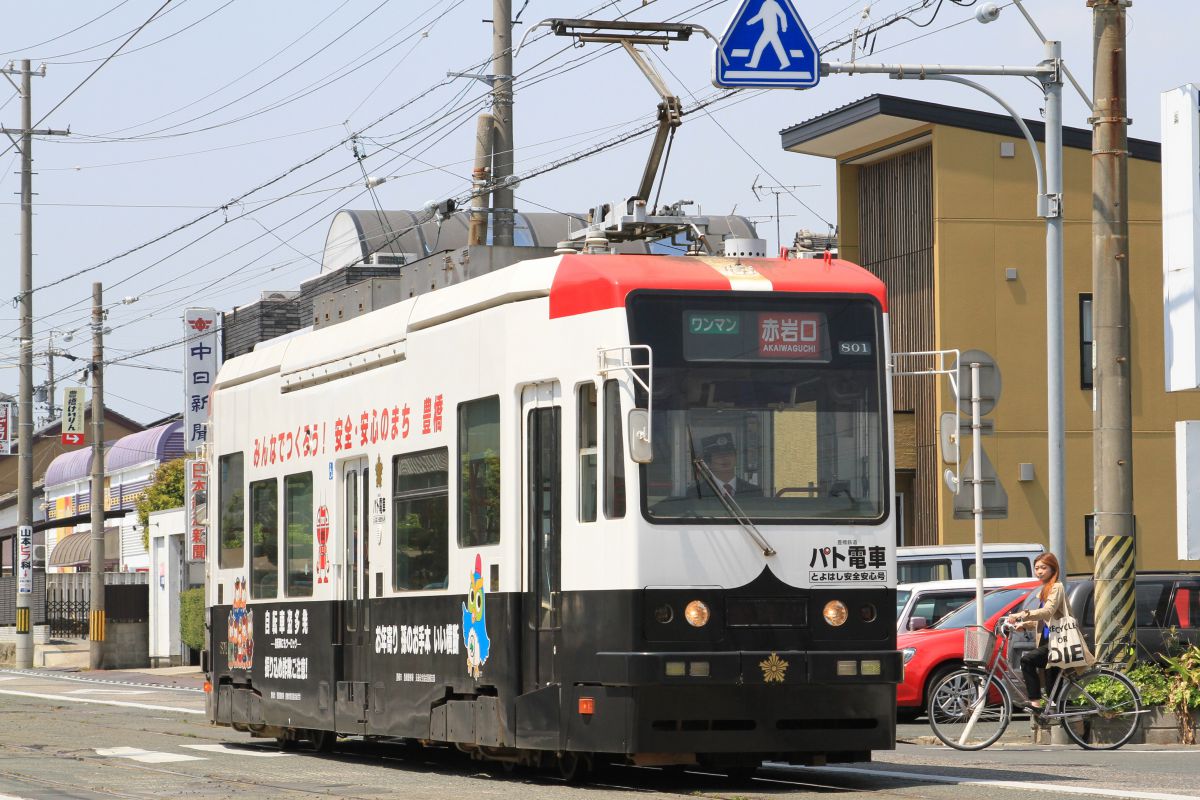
(977, 491)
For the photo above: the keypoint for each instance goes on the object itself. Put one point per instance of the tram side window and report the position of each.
(233, 520)
(614, 453)
(420, 520)
(298, 521)
(479, 472)
(588, 479)
(264, 539)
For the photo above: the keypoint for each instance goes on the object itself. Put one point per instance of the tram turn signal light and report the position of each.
(835, 613)
(207, 687)
(587, 706)
(676, 669)
(870, 667)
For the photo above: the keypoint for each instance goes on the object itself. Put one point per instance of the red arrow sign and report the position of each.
(72, 438)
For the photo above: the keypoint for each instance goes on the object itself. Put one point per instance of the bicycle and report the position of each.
(970, 708)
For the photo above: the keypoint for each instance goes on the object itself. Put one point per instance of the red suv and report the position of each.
(931, 653)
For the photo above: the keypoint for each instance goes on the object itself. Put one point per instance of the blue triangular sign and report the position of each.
(767, 45)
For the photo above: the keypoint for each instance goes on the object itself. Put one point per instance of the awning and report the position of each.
(76, 549)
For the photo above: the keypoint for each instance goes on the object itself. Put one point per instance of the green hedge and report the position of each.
(191, 618)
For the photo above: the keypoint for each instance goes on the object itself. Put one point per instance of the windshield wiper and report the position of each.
(731, 505)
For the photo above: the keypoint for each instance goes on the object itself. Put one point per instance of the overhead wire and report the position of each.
(67, 33)
(539, 173)
(156, 42)
(92, 74)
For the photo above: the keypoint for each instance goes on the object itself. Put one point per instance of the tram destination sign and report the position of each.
(757, 335)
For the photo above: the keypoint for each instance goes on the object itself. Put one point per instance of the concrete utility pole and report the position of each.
(24, 648)
(480, 178)
(1112, 420)
(502, 107)
(96, 620)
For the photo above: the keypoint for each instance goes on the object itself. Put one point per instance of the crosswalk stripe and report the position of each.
(240, 750)
(145, 756)
(122, 703)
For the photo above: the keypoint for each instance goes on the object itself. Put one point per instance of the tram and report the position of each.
(585, 507)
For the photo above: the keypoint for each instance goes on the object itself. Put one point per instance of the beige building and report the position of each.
(940, 202)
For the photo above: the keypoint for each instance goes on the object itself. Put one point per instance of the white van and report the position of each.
(956, 561)
(919, 605)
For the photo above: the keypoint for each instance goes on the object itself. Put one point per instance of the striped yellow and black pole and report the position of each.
(96, 625)
(1115, 598)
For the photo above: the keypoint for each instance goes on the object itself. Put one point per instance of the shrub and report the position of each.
(1183, 694)
(1151, 681)
(191, 618)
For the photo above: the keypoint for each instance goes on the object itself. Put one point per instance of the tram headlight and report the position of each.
(696, 614)
(664, 614)
(868, 612)
(835, 613)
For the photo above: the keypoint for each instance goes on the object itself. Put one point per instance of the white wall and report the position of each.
(168, 577)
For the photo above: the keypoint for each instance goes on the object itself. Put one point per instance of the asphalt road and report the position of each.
(130, 736)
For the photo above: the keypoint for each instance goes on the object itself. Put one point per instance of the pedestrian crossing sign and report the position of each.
(766, 45)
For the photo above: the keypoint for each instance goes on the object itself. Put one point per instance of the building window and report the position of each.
(479, 472)
(232, 524)
(614, 453)
(1086, 341)
(587, 452)
(420, 522)
(264, 539)
(298, 519)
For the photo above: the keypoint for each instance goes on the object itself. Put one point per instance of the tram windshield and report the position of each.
(779, 397)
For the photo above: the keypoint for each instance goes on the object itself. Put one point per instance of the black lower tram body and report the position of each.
(604, 676)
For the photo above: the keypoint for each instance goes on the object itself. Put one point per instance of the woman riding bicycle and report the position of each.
(1053, 596)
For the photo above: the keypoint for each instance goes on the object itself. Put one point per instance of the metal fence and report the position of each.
(68, 617)
(8, 600)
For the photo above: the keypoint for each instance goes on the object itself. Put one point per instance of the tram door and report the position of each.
(350, 711)
(542, 503)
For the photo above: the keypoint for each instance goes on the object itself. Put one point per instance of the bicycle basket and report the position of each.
(978, 644)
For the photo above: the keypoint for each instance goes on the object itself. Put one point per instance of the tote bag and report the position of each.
(1067, 648)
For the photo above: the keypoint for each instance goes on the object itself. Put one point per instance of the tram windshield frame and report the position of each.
(789, 388)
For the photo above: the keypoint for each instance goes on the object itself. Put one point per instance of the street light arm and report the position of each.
(1037, 157)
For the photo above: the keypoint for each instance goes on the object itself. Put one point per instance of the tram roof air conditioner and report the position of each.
(745, 248)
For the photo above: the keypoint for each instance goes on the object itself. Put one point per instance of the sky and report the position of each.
(210, 142)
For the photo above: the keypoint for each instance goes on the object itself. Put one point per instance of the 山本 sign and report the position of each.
(196, 475)
(25, 559)
(202, 357)
(73, 413)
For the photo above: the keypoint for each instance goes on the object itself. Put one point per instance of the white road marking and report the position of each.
(145, 756)
(240, 750)
(11, 797)
(1058, 788)
(109, 691)
(7, 678)
(122, 703)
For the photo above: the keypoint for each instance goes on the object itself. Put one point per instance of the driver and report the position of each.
(720, 453)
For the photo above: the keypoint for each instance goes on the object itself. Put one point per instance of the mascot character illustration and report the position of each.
(474, 629)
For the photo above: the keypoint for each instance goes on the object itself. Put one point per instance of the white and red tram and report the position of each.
(500, 515)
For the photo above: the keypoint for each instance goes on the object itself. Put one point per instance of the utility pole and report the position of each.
(502, 139)
(480, 179)
(1112, 446)
(24, 648)
(96, 620)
